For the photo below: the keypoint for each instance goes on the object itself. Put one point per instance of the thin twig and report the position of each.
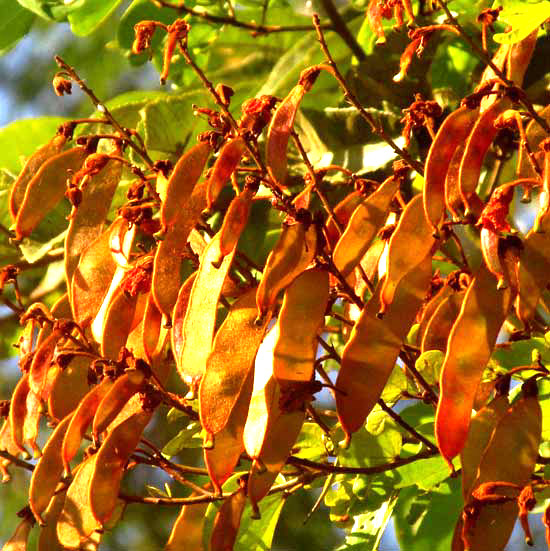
(348, 94)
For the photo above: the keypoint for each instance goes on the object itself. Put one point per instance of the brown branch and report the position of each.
(342, 29)
(257, 29)
(16, 461)
(348, 94)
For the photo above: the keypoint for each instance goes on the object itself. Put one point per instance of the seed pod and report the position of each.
(469, 348)
(534, 270)
(409, 244)
(33, 407)
(18, 410)
(519, 56)
(154, 337)
(187, 529)
(228, 159)
(451, 134)
(117, 323)
(228, 365)
(47, 472)
(234, 222)
(227, 521)
(342, 211)
(31, 167)
(181, 183)
(481, 428)
(6, 444)
(88, 220)
(46, 189)
(98, 275)
(373, 347)
(282, 122)
(292, 254)
(429, 309)
(81, 420)
(168, 258)
(115, 399)
(110, 464)
(364, 224)
(518, 434)
(270, 431)
(47, 538)
(481, 137)
(61, 401)
(178, 316)
(441, 322)
(76, 524)
(221, 459)
(18, 542)
(300, 319)
(200, 318)
(41, 362)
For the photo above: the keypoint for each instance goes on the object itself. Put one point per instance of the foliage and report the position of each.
(291, 287)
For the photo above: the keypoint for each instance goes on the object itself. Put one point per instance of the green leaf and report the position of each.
(429, 365)
(15, 22)
(169, 123)
(56, 10)
(312, 443)
(424, 473)
(523, 16)
(367, 450)
(367, 529)
(90, 15)
(21, 138)
(426, 521)
(189, 437)
(514, 354)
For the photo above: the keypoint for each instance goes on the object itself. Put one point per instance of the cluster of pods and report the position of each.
(99, 361)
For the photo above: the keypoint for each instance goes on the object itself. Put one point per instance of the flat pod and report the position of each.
(200, 319)
(187, 529)
(18, 542)
(441, 322)
(18, 411)
(221, 459)
(48, 471)
(42, 361)
(469, 348)
(453, 199)
(409, 244)
(110, 464)
(30, 168)
(481, 137)
(76, 525)
(269, 432)
(518, 433)
(117, 323)
(292, 254)
(114, 400)
(47, 537)
(429, 309)
(7, 444)
(182, 182)
(278, 134)
(33, 406)
(342, 213)
(178, 315)
(88, 220)
(534, 270)
(228, 159)
(373, 347)
(168, 258)
(230, 362)
(81, 420)
(300, 319)
(481, 429)
(46, 189)
(453, 132)
(364, 224)
(227, 522)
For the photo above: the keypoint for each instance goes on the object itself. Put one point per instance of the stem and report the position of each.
(342, 30)
(348, 94)
(103, 109)
(254, 27)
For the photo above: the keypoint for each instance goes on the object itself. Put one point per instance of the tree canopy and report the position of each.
(275, 274)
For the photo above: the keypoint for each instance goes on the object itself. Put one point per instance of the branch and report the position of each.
(234, 22)
(348, 94)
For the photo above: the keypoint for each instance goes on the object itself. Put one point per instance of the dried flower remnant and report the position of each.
(61, 85)
(177, 34)
(420, 113)
(144, 31)
(386, 9)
